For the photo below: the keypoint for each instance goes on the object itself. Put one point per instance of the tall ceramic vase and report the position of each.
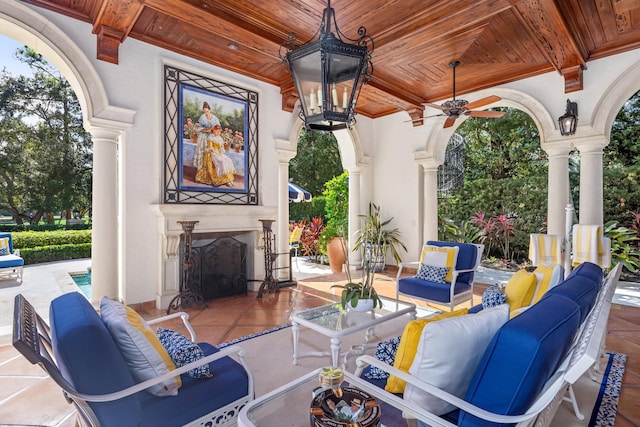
(335, 252)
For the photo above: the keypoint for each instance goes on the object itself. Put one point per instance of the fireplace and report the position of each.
(219, 264)
(215, 222)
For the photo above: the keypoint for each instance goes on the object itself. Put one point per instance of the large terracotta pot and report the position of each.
(335, 252)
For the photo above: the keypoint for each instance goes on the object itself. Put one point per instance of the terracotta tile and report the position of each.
(46, 396)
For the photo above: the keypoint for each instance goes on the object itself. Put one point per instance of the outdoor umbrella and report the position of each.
(298, 194)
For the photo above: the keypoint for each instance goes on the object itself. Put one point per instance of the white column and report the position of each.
(105, 277)
(558, 186)
(591, 192)
(429, 212)
(354, 211)
(281, 226)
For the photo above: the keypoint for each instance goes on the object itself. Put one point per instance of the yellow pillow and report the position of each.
(519, 289)
(440, 257)
(409, 346)
(547, 272)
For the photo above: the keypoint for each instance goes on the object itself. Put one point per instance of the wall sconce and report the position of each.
(569, 120)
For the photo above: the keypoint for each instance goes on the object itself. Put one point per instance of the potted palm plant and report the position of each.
(374, 238)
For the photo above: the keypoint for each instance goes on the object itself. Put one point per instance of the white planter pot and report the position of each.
(363, 305)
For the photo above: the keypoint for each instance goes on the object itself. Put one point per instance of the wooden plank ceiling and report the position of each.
(496, 41)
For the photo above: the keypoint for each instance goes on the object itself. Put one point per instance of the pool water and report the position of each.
(83, 280)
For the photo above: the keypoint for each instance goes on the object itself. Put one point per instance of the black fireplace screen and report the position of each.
(219, 268)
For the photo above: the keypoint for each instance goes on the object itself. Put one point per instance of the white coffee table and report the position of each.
(290, 404)
(331, 322)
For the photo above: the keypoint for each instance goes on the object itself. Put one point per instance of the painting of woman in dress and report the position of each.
(206, 122)
(216, 167)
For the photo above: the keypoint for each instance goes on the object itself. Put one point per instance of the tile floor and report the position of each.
(22, 384)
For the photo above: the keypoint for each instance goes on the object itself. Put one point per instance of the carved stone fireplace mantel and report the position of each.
(226, 219)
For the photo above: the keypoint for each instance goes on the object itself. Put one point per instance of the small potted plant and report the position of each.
(191, 130)
(360, 296)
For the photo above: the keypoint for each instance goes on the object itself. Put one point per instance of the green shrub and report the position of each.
(14, 228)
(55, 253)
(34, 239)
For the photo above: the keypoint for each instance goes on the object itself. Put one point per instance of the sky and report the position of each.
(7, 48)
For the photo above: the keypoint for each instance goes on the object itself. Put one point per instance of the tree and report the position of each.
(45, 151)
(624, 148)
(508, 147)
(317, 162)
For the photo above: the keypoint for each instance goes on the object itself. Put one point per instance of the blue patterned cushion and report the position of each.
(4, 251)
(385, 351)
(431, 273)
(183, 351)
(493, 296)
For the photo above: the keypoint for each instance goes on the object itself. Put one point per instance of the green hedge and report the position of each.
(55, 253)
(34, 239)
(48, 246)
(14, 228)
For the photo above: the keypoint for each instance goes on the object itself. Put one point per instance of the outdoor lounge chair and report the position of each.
(80, 353)
(458, 262)
(10, 261)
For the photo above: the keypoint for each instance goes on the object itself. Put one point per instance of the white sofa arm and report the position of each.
(185, 319)
(227, 351)
(543, 400)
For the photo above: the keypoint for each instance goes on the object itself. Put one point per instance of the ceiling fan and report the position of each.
(454, 108)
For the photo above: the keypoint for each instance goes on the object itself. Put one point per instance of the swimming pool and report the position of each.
(83, 280)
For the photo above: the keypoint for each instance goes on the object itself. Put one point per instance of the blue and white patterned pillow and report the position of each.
(432, 274)
(183, 351)
(493, 296)
(4, 251)
(385, 351)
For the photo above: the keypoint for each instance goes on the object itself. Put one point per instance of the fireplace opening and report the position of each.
(219, 265)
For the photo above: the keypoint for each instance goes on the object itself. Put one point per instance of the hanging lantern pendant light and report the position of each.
(328, 73)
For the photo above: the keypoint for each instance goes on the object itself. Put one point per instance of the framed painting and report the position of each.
(211, 140)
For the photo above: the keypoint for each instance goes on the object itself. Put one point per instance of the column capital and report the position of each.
(591, 145)
(557, 148)
(285, 150)
(426, 160)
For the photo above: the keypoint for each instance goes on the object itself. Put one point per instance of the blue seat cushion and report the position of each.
(197, 396)
(434, 291)
(8, 261)
(89, 359)
(580, 289)
(521, 357)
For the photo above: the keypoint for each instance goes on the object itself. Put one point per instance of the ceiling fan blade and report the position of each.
(486, 114)
(423, 118)
(483, 101)
(439, 107)
(449, 122)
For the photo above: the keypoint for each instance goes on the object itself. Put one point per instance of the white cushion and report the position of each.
(141, 349)
(448, 354)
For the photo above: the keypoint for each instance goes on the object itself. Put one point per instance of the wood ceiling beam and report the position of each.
(544, 21)
(113, 24)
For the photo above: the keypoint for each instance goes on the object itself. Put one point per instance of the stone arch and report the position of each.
(106, 124)
(618, 92)
(353, 160)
